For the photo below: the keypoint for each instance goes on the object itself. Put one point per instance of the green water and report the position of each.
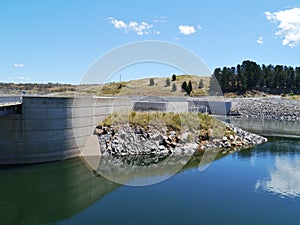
(260, 185)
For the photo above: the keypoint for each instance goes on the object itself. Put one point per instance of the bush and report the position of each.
(174, 87)
(173, 77)
(201, 84)
(151, 82)
(184, 86)
(168, 83)
(189, 88)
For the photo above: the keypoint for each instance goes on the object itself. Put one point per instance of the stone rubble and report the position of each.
(126, 140)
(268, 108)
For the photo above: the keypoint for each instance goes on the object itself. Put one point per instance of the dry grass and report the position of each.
(142, 87)
(139, 87)
(202, 126)
(294, 97)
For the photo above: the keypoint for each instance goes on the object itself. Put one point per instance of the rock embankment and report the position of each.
(128, 140)
(268, 108)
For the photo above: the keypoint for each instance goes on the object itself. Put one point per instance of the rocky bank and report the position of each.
(136, 140)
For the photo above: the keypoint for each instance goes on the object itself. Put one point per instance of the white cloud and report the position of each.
(19, 65)
(176, 38)
(141, 28)
(23, 78)
(199, 27)
(186, 30)
(260, 40)
(289, 25)
(160, 19)
(10, 78)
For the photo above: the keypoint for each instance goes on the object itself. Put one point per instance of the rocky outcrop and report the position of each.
(136, 140)
(268, 108)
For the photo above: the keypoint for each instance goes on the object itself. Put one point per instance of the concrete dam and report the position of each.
(43, 129)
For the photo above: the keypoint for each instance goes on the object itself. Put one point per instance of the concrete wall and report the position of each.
(51, 128)
(213, 107)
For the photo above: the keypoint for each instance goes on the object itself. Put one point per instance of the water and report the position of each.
(260, 185)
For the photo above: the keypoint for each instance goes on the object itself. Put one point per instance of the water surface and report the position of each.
(260, 185)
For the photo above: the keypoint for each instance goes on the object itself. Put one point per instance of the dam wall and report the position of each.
(57, 128)
(51, 128)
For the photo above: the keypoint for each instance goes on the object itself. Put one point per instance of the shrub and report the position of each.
(184, 86)
(168, 83)
(151, 82)
(201, 84)
(174, 87)
(173, 77)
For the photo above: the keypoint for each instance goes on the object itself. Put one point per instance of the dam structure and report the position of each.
(35, 129)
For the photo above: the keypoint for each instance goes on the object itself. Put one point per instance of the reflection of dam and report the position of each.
(53, 192)
(47, 193)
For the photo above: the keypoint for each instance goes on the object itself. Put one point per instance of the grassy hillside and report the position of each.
(139, 87)
(142, 87)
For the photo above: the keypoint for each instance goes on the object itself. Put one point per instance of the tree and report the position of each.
(214, 87)
(189, 88)
(174, 87)
(173, 77)
(168, 83)
(290, 77)
(297, 78)
(242, 81)
(184, 86)
(151, 82)
(201, 84)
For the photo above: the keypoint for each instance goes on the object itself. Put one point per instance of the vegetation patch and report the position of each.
(201, 126)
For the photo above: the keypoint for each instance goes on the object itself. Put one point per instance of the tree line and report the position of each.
(251, 76)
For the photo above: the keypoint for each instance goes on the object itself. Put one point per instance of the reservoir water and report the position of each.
(259, 185)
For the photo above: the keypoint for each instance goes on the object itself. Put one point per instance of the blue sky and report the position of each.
(56, 41)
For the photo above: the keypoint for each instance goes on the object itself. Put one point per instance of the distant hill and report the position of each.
(143, 87)
(140, 87)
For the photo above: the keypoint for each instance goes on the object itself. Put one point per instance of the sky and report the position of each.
(58, 40)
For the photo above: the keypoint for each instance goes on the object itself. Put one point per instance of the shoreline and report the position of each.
(125, 140)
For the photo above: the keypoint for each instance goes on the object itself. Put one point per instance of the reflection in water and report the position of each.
(284, 178)
(141, 170)
(284, 171)
(265, 127)
(46, 193)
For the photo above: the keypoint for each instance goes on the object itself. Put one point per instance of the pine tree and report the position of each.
(151, 82)
(201, 84)
(174, 87)
(173, 77)
(189, 88)
(168, 83)
(184, 86)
